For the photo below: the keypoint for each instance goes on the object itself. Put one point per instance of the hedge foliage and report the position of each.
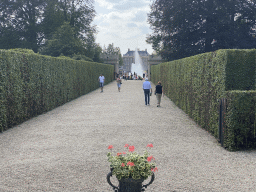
(240, 124)
(195, 84)
(31, 84)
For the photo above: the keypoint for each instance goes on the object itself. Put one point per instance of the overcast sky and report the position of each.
(124, 23)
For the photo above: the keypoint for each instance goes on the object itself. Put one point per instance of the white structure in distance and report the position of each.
(137, 66)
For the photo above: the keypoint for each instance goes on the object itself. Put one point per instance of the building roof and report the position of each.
(141, 53)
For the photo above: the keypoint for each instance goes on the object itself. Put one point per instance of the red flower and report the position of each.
(155, 169)
(123, 165)
(119, 154)
(126, 145)
(130, 163)
(150, 158)
(150, 145)
(110, 146)
(131, 148)
(124, 153)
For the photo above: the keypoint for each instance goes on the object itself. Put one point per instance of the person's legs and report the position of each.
(158, 96)
(148, 97)
(101, 86)
(146, 92)
(119, 86)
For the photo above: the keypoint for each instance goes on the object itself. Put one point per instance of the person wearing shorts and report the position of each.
(119, 82)
(101, 80)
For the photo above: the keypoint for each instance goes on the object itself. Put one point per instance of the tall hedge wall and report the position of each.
(31, 84)
(240, 70)
(195, 84)
(240, 124)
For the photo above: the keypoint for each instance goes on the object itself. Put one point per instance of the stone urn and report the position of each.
(129, 184)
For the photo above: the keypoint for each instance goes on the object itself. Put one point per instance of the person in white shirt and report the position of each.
(101, 80)
(147, 90)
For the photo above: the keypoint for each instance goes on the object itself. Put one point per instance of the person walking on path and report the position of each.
(119, 82)
(101, 80)
(147, 90)
(159, 92)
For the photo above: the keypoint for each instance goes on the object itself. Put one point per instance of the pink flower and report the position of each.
(118, 154)
(124, 153)
(150, 158)
(155, 169)
(110, 146)
(131, 148)
(130, 163)
(150, 145)
(126, 145)
(123, 165)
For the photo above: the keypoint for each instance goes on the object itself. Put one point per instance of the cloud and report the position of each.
(122, 4)
(124, 23)
(131, 25)
(140, 16)
(128, 5)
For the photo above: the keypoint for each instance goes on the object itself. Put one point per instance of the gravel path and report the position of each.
(65, 149)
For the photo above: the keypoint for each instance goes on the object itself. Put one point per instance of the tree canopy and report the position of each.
(52, 27)
(187, 27)
(111, 50)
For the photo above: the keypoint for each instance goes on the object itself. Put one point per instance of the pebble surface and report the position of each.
(65, 149)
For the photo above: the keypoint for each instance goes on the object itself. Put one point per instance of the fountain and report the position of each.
(137, 66)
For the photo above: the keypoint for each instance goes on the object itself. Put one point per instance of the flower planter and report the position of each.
(129, 184)
(127, 167)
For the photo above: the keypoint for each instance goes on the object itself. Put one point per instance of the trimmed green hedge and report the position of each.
(196, 83)
(240, 124)
(31, 84)
(240, 70)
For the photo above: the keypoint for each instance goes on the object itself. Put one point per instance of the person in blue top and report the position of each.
(147, 91)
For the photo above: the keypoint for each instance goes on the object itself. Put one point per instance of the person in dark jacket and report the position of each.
(159, 92)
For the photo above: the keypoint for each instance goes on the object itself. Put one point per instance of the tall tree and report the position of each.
(21, 18)
(32, 23)
(52, 19)
(64, 42)
(79, 15)
(187, 27)
(112, 50)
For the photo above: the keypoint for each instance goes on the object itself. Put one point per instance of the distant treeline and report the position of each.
(50, 27)
(182, 28)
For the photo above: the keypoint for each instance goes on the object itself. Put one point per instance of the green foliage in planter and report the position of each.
(240, 125)
(196, 83)
(31, 84)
